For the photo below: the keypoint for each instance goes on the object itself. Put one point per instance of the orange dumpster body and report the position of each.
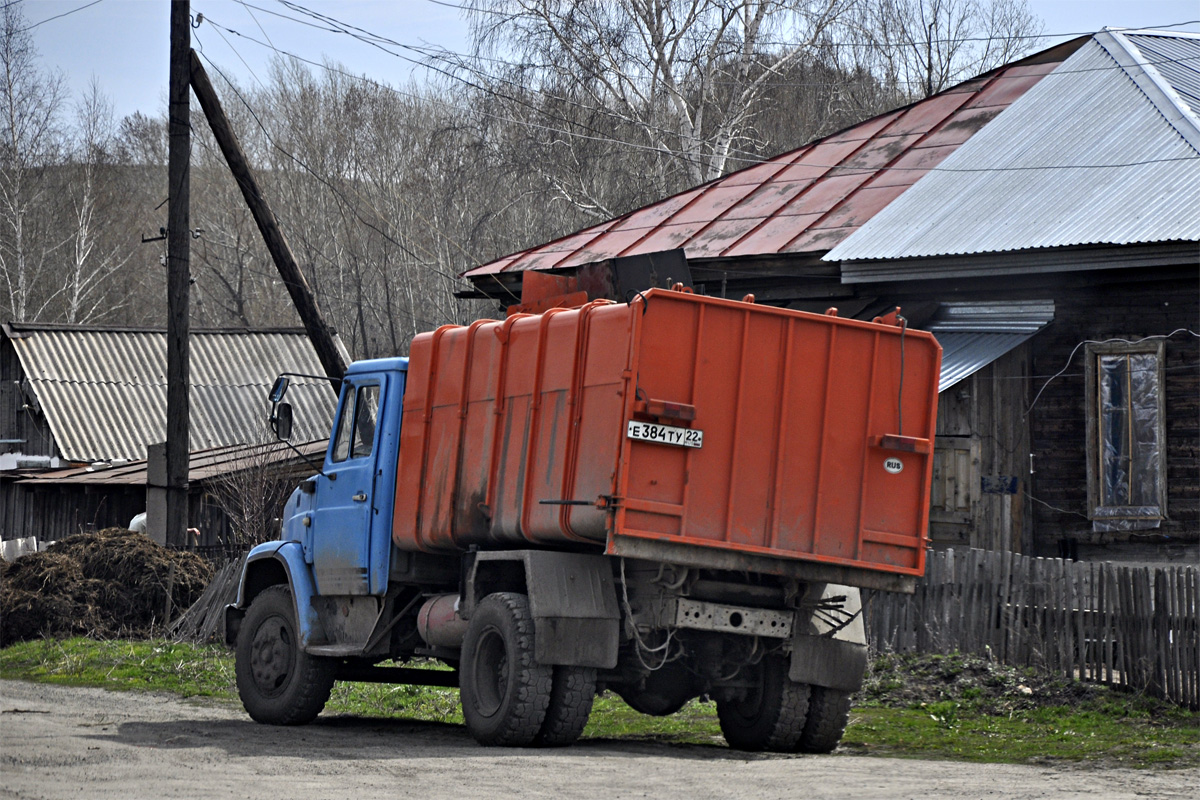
(679, 428)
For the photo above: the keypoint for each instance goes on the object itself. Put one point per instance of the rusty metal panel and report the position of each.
(516, 433)
(801, 185)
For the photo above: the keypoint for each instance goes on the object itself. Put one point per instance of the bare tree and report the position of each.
(30, 147)
(94, 196)
(924, 46)
(253, 493)
(685, 78)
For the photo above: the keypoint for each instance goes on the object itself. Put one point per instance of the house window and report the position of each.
(1126, 436)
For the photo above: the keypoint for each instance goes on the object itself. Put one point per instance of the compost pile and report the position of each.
(106, 584)
(910, 680)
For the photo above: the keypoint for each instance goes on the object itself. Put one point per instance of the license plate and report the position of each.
(664, 434)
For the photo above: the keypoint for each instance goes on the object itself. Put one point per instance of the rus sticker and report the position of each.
(893, 465)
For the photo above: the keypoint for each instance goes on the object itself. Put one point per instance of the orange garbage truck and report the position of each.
(673, 498)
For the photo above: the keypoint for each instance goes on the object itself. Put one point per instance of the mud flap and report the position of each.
(572, 598)
(829, 642)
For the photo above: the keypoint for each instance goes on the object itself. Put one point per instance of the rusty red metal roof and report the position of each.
(807, 200)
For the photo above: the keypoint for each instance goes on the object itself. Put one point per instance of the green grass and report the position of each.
(1102, 728)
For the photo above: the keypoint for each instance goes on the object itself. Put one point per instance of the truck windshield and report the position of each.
(356, 431)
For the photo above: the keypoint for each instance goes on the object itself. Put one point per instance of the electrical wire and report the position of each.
(736, 155)
(1075, 350)
(56, 16)
(453, 278)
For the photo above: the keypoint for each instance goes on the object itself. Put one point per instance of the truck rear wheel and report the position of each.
(571, 698)
(278, 682)
(505, 692)
(771, 715)
(828, 712)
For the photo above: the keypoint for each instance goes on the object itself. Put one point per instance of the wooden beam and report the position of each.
(332, 354)
(178, 256)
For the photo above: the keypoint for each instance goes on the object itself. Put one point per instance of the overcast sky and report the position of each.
(124, 43)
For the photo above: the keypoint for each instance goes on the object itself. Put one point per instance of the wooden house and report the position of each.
(1043, 219)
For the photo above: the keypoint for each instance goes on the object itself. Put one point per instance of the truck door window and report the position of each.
(356, 425)
(364, 421)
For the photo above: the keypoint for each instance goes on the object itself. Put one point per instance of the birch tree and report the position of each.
(685, 77)
(30, 146)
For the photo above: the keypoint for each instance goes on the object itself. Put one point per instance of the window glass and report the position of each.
(341, 447)
(364, 421)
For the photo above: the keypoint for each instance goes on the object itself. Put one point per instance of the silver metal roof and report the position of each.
(973, 335)
(1174, 56)
(104, 392)
(1101, 151)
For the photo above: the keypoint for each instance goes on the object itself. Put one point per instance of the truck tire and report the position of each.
(279, 683)
(505, 692)
(828, 712)
(571, 696)
(771, 716)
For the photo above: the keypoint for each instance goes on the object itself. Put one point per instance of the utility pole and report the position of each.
(330, 350)
(178, 259)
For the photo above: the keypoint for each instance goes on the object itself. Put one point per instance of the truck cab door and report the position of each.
(342, 516)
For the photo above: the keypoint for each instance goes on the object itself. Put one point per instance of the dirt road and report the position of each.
(87, 743)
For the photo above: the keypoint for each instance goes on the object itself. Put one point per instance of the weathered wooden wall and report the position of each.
(1058, 486)
(57, 512)
(18, 421)
(981, 463)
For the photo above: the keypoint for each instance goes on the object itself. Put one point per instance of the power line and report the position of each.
(736, 155)
(327, 183)
(56, 16)
(1032, 36)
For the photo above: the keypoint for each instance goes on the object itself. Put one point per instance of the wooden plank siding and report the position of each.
(1135, 627)
(1058, 419)
(981, 463)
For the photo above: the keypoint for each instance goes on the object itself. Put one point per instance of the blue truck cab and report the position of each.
(322, 550)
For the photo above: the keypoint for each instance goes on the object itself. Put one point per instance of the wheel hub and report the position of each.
(272, 656)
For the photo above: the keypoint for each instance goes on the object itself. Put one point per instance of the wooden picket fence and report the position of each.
(1129, 626)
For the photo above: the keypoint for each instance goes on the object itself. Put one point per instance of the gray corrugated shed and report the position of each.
(1101, 151)
(104, 392)
(973, 335)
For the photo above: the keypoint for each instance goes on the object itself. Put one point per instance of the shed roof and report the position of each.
(1103, 151)
(806, 200)
(973, 335)
(202, 465)
(104, 390)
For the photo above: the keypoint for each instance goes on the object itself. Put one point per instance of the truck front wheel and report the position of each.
(505, 692)
(278, 682)
(771, 714)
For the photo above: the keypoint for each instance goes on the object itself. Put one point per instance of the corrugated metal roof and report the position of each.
(1174, 57)
(973, 335)
(806, 200)
(1097, 153)
(104, 391)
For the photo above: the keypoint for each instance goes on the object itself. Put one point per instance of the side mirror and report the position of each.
(281, 421)
(279, 389)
